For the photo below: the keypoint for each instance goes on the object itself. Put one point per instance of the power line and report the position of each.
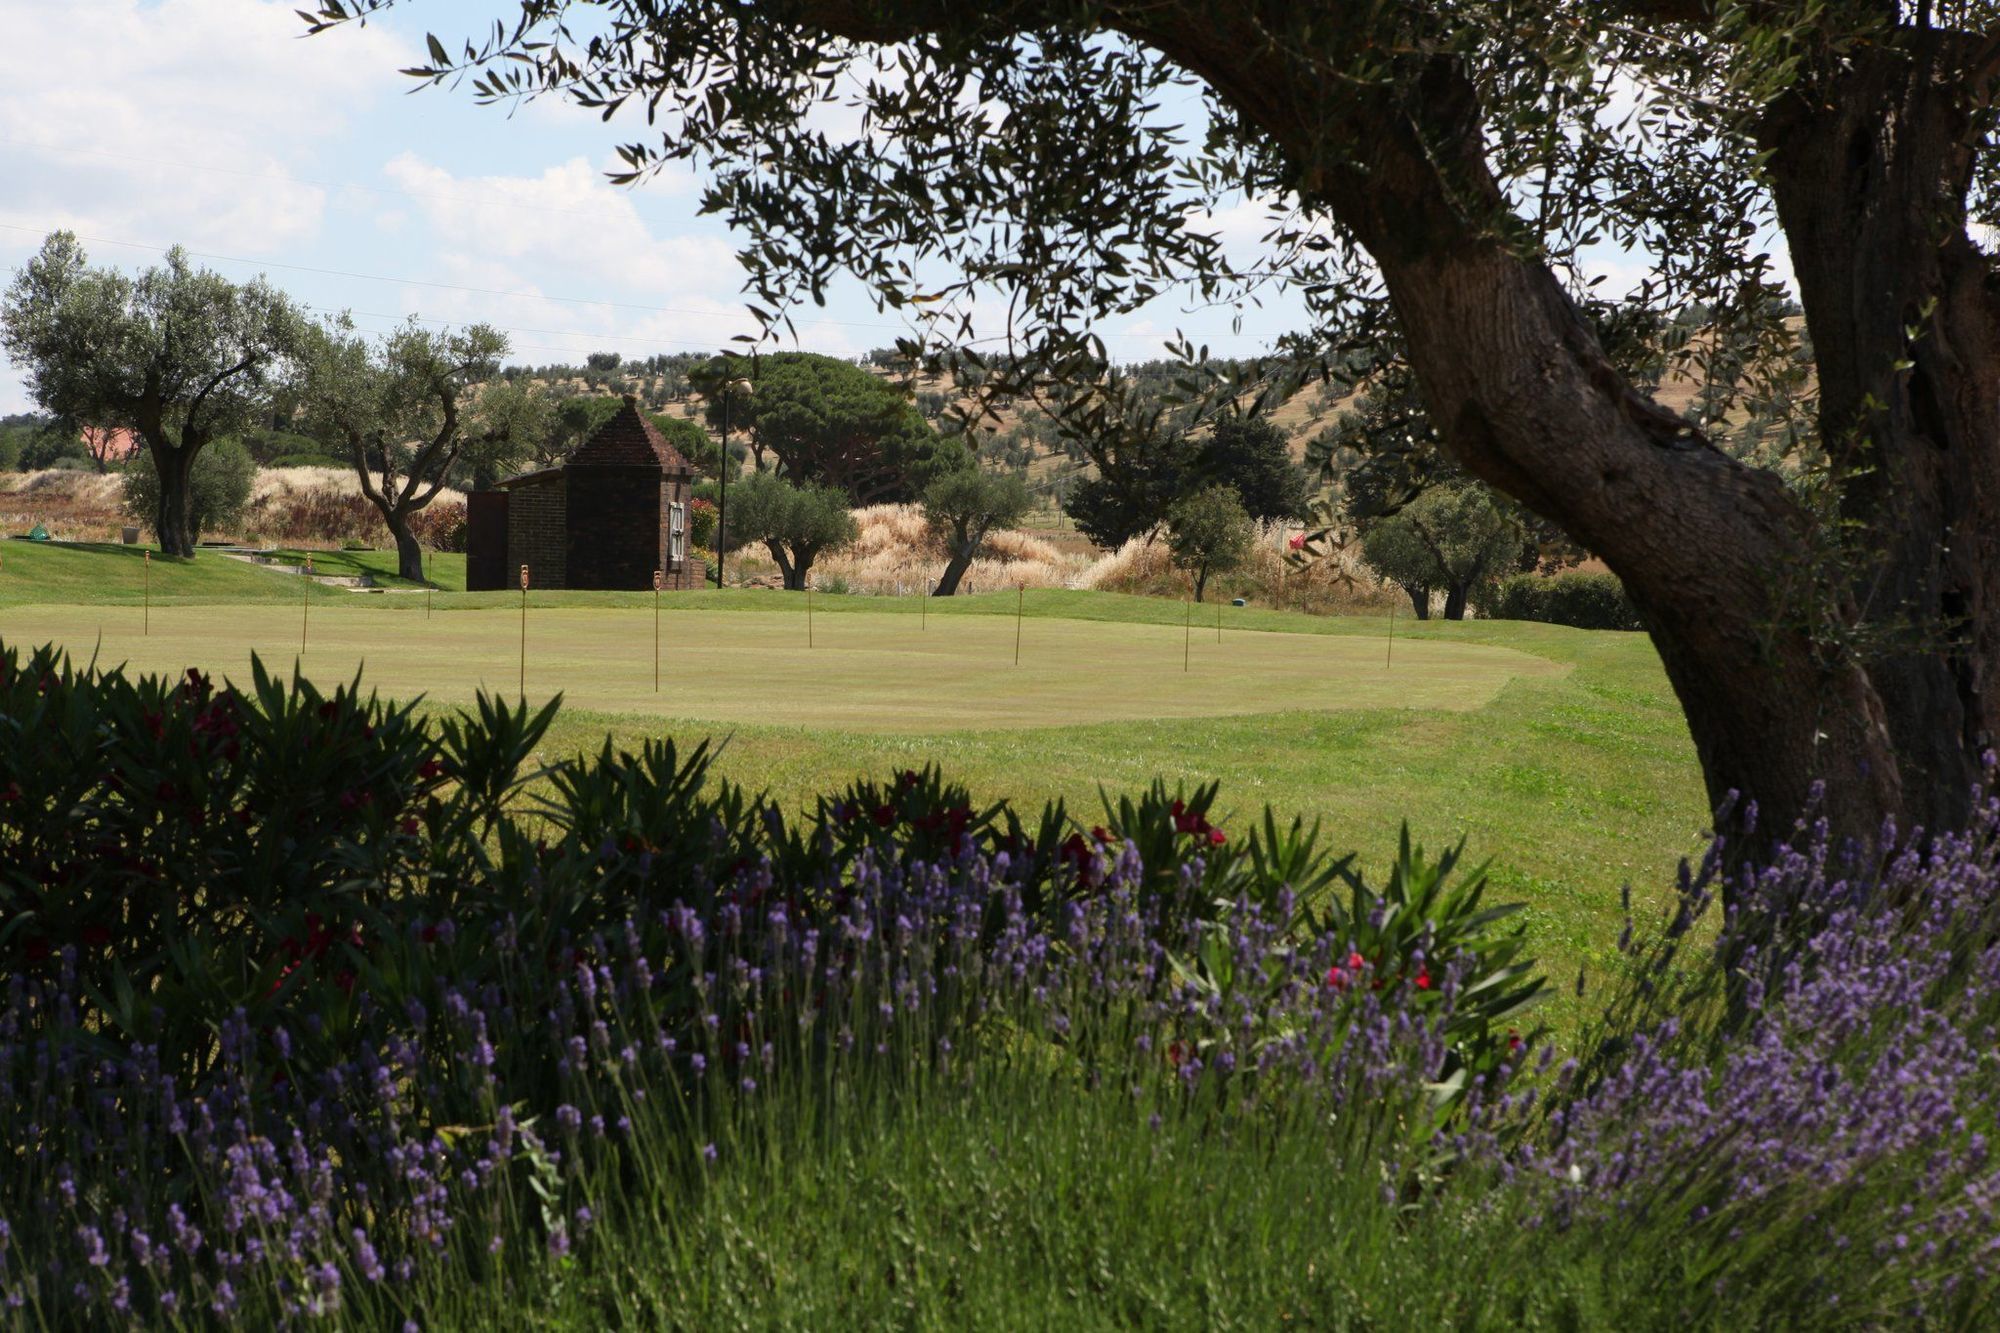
(518, 295)
(423, 282)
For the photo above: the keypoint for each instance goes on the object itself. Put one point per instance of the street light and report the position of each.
(729, 390)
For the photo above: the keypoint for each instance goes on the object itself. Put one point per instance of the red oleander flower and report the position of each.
(1216, 837)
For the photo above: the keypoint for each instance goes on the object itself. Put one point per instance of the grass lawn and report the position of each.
(1559, 753)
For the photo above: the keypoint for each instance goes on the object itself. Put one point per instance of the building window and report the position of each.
(676, 533)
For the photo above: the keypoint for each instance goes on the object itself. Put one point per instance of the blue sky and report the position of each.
(213, 124)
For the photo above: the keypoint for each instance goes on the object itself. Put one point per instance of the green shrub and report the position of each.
(219, 487)
(1586, 601)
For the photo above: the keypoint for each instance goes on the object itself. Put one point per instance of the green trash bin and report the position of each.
(38, 533)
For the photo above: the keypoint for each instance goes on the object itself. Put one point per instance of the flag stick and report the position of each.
(809, 613)
(1218, 622)
(524, 635)
(1389, 654)
(146, 616)
(1020, 595)
(1187, 630)
(305, 603)
(658, 578)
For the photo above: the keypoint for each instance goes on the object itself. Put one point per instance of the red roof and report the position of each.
(629, 440)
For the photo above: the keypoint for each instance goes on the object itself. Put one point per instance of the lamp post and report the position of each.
(729, 390)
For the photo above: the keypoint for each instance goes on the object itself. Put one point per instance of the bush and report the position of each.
(1586, 601)
(440, 526)
(218, 487)
(701, 523)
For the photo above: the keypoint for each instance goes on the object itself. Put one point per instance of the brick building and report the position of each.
(610, 515)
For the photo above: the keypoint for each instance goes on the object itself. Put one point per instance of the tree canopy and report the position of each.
(961, 508)
(1454, 539)
(1440, 178)
(1138, 481)
(406, 410)
(177, 354)
(1209, 532)
(797, 522)
(828, 421)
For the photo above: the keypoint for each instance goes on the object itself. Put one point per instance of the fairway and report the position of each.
(862, 671)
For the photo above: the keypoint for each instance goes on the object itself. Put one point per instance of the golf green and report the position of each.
(861, 671)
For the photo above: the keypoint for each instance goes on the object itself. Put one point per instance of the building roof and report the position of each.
(629, 440)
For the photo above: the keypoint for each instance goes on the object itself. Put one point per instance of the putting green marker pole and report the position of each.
(658, 579)
(146, 615)
(1020, 596)
(1389, 655)
(524, 635)
(305, 603)
(427, 584)
(923, 606)
(1187, 630)
(1218, 622)
(809, 612)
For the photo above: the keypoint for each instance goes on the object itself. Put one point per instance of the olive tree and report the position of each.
(179, 355)
(1452, 538)
(1208, 532)
(1438, 173)
(960, 508)
(798, 523)
(407, 407)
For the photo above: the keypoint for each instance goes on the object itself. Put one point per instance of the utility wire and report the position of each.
(514, 295)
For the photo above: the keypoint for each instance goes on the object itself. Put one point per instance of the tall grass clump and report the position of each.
(1339, 583)
(896, 551)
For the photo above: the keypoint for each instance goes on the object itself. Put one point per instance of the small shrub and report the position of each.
(218, 487)
(1582, 600)
(701, 523)
(440, 526)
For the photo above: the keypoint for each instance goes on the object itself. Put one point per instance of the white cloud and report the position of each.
(192, 121)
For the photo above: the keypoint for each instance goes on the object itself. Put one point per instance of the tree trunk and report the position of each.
(954, 570)
(1200, 580)
(173, 522)
(1454, 602)
(793, 574)
(1420, 600)
(1870, 176)
(409, 552)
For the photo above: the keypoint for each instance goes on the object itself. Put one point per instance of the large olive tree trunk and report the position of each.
(1514, 378)
(173, 522)
(1870, 177)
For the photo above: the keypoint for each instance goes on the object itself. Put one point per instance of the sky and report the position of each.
(214, 124)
